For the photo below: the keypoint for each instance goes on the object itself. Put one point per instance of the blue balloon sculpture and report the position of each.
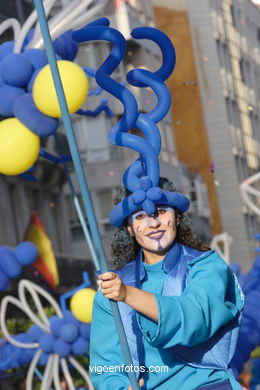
(249, 334)
(12, 261)
(17, 72)
(68, 337)
(255, 381)
(17, 75)
(142, 177)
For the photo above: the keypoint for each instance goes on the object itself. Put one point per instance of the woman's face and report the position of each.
(156, 233)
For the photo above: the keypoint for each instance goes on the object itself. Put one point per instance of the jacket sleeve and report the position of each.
(106, 361)
(211, 299)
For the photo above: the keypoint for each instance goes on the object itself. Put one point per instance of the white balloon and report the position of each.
(14, 24)
(28, 25)
(247, 189)
(71, 20)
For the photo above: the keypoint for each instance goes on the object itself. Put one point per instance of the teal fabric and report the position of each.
(193, 316)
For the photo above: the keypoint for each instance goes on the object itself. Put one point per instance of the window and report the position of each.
(92, 138)
(227, 58)
(255, 125)
(242, 70)
(220, 53)
(171, 145)
(33, 198)
(258, 35)
(104, 206)
(233, 14)
(242, 168)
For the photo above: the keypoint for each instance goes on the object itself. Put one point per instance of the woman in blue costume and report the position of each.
(179, 301)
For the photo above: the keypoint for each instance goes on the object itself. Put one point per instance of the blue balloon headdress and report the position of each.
(142, 177)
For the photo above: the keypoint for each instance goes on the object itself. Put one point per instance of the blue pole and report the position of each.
(82, 180)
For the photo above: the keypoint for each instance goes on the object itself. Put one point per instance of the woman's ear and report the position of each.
(130, 231)
(177, 219)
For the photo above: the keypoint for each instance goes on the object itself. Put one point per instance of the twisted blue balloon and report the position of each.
(13, 260)
(142, 177)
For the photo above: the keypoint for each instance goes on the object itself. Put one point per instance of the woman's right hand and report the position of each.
(140, 383)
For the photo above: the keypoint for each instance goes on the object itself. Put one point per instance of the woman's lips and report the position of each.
(156, 235)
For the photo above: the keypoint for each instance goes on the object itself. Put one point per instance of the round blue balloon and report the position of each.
(26, 253)
(23, 337)
(1, 79)
(32, 79)
(61, 348)
(17, 354)
(8, 95)
(16, 70)
(6, 351)
(25, 110)
(69, 333)
(46, 342)
(80, 346)
(37, 57)
(24, 358)
(30, 353)
(4, 281)
(84, 330)
(69, 317)
(34, 333)
(9, 262)
(14, 364)
(6, 48)
(55, 324)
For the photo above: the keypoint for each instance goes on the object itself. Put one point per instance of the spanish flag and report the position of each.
(46, 263)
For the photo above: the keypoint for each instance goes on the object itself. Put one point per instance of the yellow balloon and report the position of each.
(75, 85)
(81, 304)
(19, 147)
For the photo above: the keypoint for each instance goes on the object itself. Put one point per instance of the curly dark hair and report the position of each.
(124, 248)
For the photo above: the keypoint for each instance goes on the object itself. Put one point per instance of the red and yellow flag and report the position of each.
(46, 262)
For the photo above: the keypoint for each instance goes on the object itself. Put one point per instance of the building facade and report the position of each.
(220, 58)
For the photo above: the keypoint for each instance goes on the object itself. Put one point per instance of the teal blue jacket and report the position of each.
(204, 305)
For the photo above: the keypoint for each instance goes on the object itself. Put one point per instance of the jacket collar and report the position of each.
(171, 259)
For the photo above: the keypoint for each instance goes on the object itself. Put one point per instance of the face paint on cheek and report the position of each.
(138, 230)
